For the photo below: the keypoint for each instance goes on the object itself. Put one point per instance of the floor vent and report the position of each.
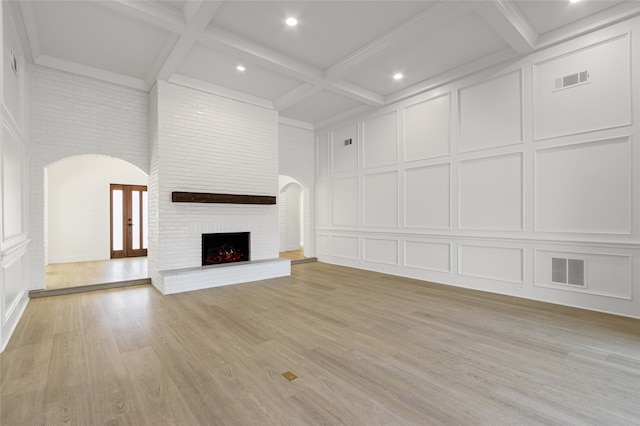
(571, 80)
(567, 271)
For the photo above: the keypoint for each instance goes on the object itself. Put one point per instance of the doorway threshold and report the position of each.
(33, 294)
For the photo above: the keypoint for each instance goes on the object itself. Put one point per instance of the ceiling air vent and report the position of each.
(571, 80)
(567, 271)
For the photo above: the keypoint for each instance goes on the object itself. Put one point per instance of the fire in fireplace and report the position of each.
(225, 247)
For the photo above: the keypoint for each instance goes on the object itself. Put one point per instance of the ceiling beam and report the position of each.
(161, 59)
(347, 115)
(217, 38)
(433, 18)
(356, 92)
(150, 12)
(189, 10)
(478, 65)
(296, 95)
(188, 37)
(508, 21)
(31, 28)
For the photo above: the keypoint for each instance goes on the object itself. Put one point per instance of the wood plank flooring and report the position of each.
(368, 349)
(75, 274)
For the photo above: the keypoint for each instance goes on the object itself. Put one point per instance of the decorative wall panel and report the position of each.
(427, 197)
(380, 140)
(584, 188)
(13, 165)
(491, 193)
(426, 129)
(346, 247)
(491, 113)
(380, 251)
(344, 157)
(606, 274)
(380, 199)
(599, 99)
(344, 201)
(322, 154)
(429, 256)
(495, 263)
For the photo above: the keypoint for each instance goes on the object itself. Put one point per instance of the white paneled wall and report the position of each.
(207, 143)
(483, 182)
(14, 227)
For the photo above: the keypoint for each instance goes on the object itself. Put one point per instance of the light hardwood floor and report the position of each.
(74, 274)
(368, 349)
(292, 254)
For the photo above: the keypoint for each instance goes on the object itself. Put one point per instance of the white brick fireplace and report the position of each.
(209, 144)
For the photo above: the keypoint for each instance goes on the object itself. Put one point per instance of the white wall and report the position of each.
(481, 183)
(207, 143)
(14, 229)
(79, 205)
(70, 115)
(297, 161)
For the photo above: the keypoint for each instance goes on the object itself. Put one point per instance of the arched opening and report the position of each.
(78, 221)
(291, 217)
(294, 206)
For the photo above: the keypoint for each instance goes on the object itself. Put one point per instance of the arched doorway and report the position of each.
(291, 217)
(295, 205)
(78, 217)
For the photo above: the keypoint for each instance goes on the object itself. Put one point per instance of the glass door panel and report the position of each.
(128, 220)
(117, 211)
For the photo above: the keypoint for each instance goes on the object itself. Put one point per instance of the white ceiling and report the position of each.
(338, 61)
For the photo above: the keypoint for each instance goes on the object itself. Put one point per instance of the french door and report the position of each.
(128, 220)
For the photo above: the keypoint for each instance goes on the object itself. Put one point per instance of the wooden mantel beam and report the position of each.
(206, 197)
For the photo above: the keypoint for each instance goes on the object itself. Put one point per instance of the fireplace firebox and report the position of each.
(226, 247)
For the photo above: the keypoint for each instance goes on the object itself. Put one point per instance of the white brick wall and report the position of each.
(297, 160)
(207, 143)
(71, 115)
(152, 187)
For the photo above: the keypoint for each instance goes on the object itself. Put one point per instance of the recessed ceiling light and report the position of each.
(292, 22)
(574, 1)
(398, 76)
(240, 68)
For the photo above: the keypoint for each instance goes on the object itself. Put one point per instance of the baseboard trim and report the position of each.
(34, 294)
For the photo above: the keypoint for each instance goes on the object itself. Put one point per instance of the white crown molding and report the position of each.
(296, 95)
(31, 28)
(434, 18)
(213, 89)
(14, 9)
(455, 74)
(215, 37)
(509, 22)
(182, 47)
(295, 123)
(348, 115)
(610, 16)
(87, 71)
(357, 93)
(150, 12)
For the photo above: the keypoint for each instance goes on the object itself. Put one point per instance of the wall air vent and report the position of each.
(571, 80)
(567, 271)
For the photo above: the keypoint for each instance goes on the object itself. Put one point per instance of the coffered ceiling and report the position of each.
(338, 61)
